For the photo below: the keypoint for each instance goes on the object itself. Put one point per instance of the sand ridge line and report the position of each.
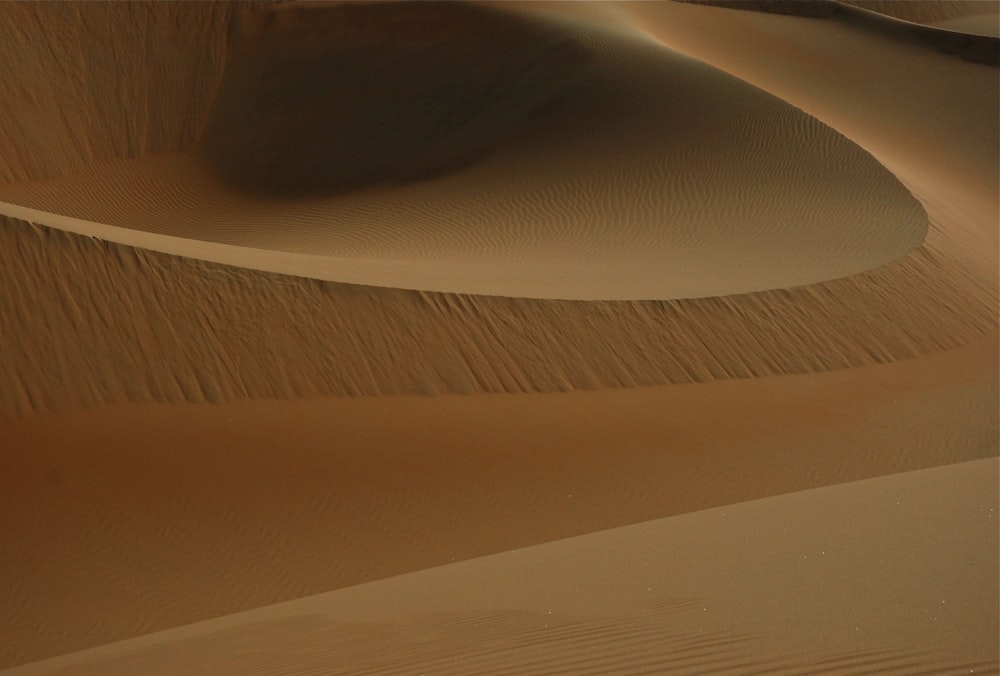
(597, 600)
(644, 175)
(111, 323)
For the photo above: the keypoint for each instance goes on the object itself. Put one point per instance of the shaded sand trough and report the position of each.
(571, 159)
(249, 503)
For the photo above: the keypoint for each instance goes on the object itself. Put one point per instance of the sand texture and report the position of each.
(598, 185)
(706, 608)
(522, 337)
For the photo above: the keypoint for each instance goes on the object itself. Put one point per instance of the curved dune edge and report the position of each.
(595, 602)
(89, 322)
(649, 176)
(925, 12)
(92, 322)
(921, 23)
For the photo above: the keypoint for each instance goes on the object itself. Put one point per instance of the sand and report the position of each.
(646, 211)
(693, 593)
(728, 275)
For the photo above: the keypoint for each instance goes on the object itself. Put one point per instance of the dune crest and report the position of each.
(586, 163)
(149, 326)
(689, 268)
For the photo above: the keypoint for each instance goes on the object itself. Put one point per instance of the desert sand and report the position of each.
(502, 337)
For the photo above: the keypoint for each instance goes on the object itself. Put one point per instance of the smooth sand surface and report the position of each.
(725, 590)
(781, 281)
(977, 24)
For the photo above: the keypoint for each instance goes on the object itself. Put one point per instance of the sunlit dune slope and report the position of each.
(231, 507)
(755, 587)
(718, 255)
(562, 156)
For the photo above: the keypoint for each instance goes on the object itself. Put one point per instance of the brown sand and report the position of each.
(987, 24)
(139, 284)
(271, 501)
(608, 181)
(724, 590)
(928, 12)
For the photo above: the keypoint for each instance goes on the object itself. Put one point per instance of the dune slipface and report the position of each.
(580, 160)
(684, 265)
(331, 98)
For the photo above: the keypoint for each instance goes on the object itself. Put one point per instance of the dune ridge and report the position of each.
(92, 322)
(129, 506)
(598, 603)
(627, 171)
(149, 326)
(919, 22)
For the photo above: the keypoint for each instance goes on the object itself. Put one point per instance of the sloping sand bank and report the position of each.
(259, 335)
(132, 519)
(125, 510)
(847, 579)
(605, 167)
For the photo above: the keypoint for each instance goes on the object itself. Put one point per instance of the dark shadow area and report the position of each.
(321, 99)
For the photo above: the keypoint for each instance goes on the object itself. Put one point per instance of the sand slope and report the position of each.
(221, 342)
(720, 591)
(927, 11)
(855, 337)
(623, 170)
(231, 507)
(976, 24)
(95, 80)
(86, 323)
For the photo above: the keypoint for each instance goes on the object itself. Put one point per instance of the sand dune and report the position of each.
(927, 11)
(987, 24)
(271, 501)
(148, 326)
(625, 171)
(940, 295)
(765, 243)
(687, 594)
(74, 93)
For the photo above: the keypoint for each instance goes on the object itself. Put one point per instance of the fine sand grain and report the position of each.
(686, 594)
(231, 507)
(625, 171)
(260, 335)
(706, 301)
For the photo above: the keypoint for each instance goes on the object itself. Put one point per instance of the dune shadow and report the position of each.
(324, 99)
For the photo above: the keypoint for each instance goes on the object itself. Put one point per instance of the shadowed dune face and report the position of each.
(332, 97)
(85, 81)
(566, 155)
